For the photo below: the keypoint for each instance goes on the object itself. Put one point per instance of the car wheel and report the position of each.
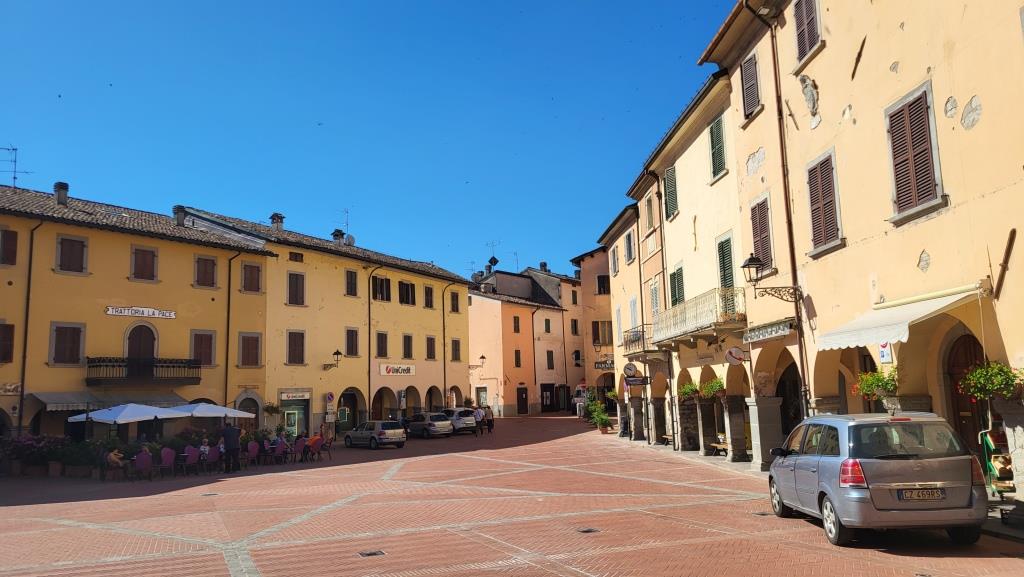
(837, 533)
(780, 508)
(348, 442)
(399, 445)
(373, 443)
(964, 535)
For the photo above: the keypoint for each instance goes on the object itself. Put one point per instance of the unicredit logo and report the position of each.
(398, 370)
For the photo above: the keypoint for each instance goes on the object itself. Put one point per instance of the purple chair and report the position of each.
(191, 460)
(279, 452)
(252, 452)
(314, 450)
(166, 461)
(144, 465)
(212, 459)
(300, 445)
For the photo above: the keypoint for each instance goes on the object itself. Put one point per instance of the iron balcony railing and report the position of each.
(710, 309)
(637, 340)
(120, 370)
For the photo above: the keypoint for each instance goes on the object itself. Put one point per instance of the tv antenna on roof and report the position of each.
(515, 255)
(13, 152)
(492, 244)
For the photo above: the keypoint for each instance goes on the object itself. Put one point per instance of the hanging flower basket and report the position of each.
(878, 385)
(712, 388)
(992, 380)
(689, 390)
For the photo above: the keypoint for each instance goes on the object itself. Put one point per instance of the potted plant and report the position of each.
(78, 460)
(613, 395)
(991, 380)
(879, 385)
(713, 388)
(603, 422)
(689, 390)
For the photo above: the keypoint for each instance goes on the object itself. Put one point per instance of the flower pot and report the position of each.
(55, 468)
(891, 403)
(604, 430)
(34, 470)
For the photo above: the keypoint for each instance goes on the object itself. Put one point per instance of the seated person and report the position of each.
(204, 449)
(309, 444)
(115, 460)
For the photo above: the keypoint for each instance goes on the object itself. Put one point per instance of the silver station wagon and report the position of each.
(877, 471)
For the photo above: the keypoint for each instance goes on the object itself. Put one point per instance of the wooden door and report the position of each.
(141, 350)
(967, 415)
(522, 401)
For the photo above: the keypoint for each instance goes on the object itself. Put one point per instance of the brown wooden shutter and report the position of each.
(810, 25)
(67, 345)
(431, 348)
(6, 343)
(145, 265)
(751, 96)
(202, 348)
(296, 348)
(8, 247)
(72, 255)
(206, 272)
(251, 278)
(762, 233)
(351, 342)
(250, 351)
(829, 222)
(382, 345)
(800, 23)
(351, 283)
(814, 188)
(296, 289)
(911, 142)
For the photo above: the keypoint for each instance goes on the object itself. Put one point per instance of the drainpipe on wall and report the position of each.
(24, 330)
(227, 333)
(369, 343)
(787, 196)
(444, 343)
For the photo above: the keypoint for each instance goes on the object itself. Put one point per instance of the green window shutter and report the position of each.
(676, 286)
(717, 147)
(725, 263)
(671, 199)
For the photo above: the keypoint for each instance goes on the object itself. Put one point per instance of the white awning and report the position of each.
(69, 401)
(890, 325)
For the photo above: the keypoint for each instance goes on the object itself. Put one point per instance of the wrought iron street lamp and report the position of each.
(752, 273)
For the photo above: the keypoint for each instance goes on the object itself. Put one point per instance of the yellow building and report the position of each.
(353, 333)
(596, 312)
(101, 304)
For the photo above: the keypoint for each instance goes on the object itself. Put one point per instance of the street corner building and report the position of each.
(818, 212)
(103, 305)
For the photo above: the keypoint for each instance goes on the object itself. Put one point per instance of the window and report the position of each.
(717, 137)
(71, 254)
(6, 343)
(351, 283)
(456, 350)
(618, 322)
(649, 210)
(628, 246)
(671, 196)
(66, 344)
(575, 297)
(813, 439)
(677, 290)
(381, 288)
(748, 78)
(249, 350)
(829, 445)
(295, 256)
(515, 324)
(206, 271)
(725, 272)
(143, 264)
(203, 348)
(296, 288)
(913, 165)
(615, 260)
(8, 247)
(547, 325)
(382, 345)
(296, 348)
(633, 313)
(351, 342)
(601, 332)
(518, 358)
(805, 16)
(406, 346)
(455, 302)
(251, 278)
(574, 327)
(604, 284)
(655, 298)
(822, 189)
(428, 297)
(577, 358)
(551, 360)
(793, 442)
(406, 293)
(761, 229)
(431, 349)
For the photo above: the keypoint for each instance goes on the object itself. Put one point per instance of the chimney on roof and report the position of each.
(339, 236)
(544, 266)
(277, 221)
(60, 193)
(179, 214)
(488, 268)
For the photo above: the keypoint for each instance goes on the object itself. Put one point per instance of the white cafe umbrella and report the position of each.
(129, 413)
(206, 410)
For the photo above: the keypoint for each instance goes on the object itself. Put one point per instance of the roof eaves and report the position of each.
(629, 209)
(576, 260)
(737, 9)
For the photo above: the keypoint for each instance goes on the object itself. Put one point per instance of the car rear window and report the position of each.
(466, 413)
(390, 425)
(906, 440)
(438, 418)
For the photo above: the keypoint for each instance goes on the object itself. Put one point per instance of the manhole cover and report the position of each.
(376, 553)
(209, 494)
(588, 530)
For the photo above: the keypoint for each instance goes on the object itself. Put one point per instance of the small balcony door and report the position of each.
(141, 351)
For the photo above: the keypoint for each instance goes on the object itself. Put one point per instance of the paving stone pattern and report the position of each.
(508, 504)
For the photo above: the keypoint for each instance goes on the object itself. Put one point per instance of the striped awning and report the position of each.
(69, 401)
(89, 401)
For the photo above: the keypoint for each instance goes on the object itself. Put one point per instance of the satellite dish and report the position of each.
(350, 240)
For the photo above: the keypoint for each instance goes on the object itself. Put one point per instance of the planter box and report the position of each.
(34, 470)
(78, 471)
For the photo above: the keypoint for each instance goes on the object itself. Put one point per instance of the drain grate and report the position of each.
(588, 530)
(374, 553)
(763, 514)
(208, 494)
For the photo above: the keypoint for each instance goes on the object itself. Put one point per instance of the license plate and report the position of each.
(921, 494)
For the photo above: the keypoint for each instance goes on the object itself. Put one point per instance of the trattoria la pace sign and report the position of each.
(140, 312)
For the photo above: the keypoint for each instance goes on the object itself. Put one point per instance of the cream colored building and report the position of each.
(596, 312)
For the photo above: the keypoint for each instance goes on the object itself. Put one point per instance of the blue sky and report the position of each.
(441, 126)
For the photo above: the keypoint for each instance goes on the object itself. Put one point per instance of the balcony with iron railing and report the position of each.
(637, 340)
(142, 371)
(716, 309)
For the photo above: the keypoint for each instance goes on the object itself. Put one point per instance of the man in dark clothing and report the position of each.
(232, 434)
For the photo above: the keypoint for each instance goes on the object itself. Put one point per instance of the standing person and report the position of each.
(489, 416)
(232, 435)
(478, 416)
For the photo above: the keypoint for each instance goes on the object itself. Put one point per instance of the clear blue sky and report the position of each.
(440, 126)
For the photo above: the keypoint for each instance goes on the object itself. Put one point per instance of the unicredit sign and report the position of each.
(397, 370)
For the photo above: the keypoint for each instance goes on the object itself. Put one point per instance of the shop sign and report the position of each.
(145, 312)
(769, 331)
(399, 370)
(329, 417)
(604, 365)
(885, 353)
(636, 381)
(294, 396)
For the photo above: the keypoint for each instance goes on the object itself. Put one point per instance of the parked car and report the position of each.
(462, 419)
(374, 434)
(879, 471)
(428, 425)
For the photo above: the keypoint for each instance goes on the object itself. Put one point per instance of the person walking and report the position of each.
(489, 417)
(231, 436)
(478, 416)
